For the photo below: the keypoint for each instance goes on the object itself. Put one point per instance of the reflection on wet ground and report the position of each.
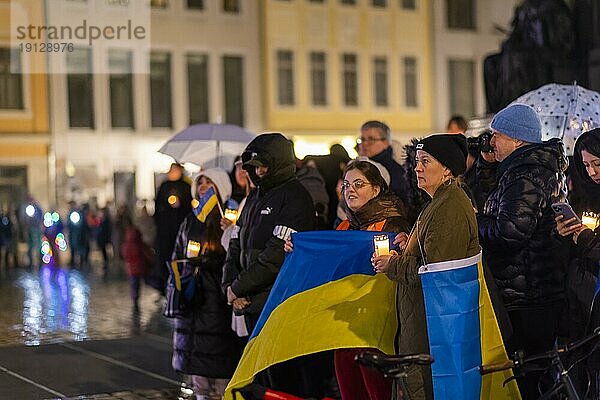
(57, 305)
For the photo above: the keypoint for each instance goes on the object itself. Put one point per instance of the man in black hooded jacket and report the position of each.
(279, 206)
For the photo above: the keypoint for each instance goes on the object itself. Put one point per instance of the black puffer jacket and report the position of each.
(203, 343)
(516, 226)
(278, 206)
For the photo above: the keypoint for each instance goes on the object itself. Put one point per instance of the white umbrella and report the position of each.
(207, 145)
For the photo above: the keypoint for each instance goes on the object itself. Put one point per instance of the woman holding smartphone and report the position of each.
(369, 206)
(445, 230)
(582, 277)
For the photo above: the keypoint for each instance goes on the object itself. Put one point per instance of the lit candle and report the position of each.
(231, 215)
(382, 245)
(590, 220)
(193, 249)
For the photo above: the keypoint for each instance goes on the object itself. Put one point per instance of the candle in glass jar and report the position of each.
(382, 245)
(231, 215)
(193, 249)
(590, 220)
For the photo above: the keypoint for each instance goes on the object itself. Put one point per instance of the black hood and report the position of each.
(272, 150)
(549, 155)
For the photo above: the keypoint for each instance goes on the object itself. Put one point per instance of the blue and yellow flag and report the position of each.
(205, 204)
(326, 297)
(463, 332)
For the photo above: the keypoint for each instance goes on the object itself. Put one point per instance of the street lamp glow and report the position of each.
(75, 217)
(30, 210)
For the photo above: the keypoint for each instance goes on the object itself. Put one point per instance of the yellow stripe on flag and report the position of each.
(355, 311)
(176, 276)
(207, 208)
(492, 349)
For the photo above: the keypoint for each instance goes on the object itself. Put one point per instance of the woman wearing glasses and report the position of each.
(369, 205)
(445, 230)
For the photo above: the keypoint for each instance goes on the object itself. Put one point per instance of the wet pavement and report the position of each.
(64, 329)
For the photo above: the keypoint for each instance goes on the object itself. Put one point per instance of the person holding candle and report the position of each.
(204, 345)
(582, 277)
(445, 230)
(369, 205)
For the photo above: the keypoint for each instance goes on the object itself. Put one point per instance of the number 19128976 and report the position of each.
(45, 47)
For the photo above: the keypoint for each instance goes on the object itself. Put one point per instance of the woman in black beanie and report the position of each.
(445, 230)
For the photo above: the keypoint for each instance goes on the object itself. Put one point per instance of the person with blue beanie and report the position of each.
(515, 232)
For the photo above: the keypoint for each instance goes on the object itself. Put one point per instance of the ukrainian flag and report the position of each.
(463, 332)
(205, 204)
(326, 297)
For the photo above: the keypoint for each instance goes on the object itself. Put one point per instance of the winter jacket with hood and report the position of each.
(278, 206)
(516, 227)
(203, 342)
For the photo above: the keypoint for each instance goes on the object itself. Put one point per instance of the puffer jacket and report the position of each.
(203, 343)
(277, 207)
(516, 227)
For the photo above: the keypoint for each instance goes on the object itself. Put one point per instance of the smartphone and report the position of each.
(566, 211)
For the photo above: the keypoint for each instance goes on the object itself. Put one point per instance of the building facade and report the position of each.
(24, 137)
(465, 32)
(331, 65)
(203, 67)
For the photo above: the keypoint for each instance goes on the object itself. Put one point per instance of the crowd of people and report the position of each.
(449, 198)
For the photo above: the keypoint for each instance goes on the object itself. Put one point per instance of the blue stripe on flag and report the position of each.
(452, 308)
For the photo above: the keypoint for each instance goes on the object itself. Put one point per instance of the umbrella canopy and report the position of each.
(566, 111)
(207, 145)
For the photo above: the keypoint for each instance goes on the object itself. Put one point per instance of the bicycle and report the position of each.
(395, 367)
(553, 361)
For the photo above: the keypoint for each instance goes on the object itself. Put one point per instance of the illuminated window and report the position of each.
(11, 81)
(318, 78)
(160, 89)
(233, 84)
(121, 89)
(159, 3)
(350, 79)
(285, 77)
(380, 81)
(410, 82)
(80, 88)
(197, 71)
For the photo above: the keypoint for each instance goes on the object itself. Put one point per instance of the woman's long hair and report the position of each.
(371, 172)
(585, 192)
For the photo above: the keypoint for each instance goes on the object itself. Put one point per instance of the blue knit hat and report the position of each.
(519, 121)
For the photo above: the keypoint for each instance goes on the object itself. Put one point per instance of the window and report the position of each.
(409, 4)
(285, 77)
(316, 1)
(159, 3)
(160, 90)
(11, 84)
(461, 75)
(379, 3)
(195, 4)
(410, 82)
(380, 81)
(233, 76)
(197, 69)
(318, 78)
(350, 2)
(460, 14)
(231, 6)
(350, 79)
(121, 89)
(80, 88)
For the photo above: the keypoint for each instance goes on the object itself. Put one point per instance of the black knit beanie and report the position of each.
(449, 149)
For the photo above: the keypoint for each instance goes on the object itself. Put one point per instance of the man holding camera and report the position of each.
(480, 177)
(515, 231)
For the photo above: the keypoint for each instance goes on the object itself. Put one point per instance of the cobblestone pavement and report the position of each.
(54, 305)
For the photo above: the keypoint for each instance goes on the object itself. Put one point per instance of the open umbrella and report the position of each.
(566, 111)
(207, 145)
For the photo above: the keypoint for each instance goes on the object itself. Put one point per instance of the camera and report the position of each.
(480, 143)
